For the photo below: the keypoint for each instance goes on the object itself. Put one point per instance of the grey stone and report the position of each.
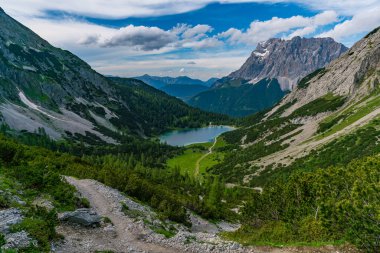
(235, 246)
(19, 240)
(8, 218)
(84, 217)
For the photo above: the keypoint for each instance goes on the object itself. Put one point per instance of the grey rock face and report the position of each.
(84, 217)
(354, 75)
(288, 60)
(19, 240)
(8, 218)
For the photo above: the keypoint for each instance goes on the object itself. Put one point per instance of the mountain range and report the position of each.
(182, 87)
(50, 88)
(81, 169)
(287, 61)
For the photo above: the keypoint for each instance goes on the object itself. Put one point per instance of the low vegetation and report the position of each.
(304, 83)
(327, 103)
(325, 205)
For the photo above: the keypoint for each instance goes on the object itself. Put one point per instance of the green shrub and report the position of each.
(4, 202)
(40, 224)
(304, 83)
(332, 204)
(2, 240)
(326, 103)
(163, 231)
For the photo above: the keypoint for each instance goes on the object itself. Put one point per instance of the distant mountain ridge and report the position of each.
(182, 87)
(158, 81)
(288, 60)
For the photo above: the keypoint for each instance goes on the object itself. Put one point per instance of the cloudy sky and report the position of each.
(198, 38)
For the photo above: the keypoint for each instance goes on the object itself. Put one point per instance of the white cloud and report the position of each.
(263, 30)
(79, 35)
(140, 8)
(362, 22)
(140, 37)
(197, 31)
(203, 44)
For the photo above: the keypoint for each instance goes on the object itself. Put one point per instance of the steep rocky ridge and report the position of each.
(288, 60)
(354, 75)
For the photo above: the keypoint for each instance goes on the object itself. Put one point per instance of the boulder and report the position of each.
(44, 203)
(83, 216)
(19, 240)
(8, 218)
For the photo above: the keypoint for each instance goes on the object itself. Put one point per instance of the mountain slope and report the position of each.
(331, 119)
(45, 87)
(240, 101)
(184, 91)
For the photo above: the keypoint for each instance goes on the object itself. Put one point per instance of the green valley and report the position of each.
(95, 163)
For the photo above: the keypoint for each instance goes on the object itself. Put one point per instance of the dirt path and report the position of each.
(128, 235)
(198, 162)
(105, 207)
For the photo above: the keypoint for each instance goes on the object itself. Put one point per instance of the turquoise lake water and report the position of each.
(193, 135)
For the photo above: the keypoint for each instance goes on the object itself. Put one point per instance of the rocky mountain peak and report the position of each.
(288, 60)
(354, 75)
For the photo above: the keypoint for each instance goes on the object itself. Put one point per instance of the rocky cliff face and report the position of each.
(288, 60)
(354, 75)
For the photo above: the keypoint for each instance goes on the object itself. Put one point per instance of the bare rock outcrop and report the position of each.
(288, 60)
(83, 216)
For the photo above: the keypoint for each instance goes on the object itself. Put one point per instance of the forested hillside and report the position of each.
(46, 87)
(240, 101)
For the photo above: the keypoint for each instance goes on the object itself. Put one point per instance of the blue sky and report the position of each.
(199, 38)
(220, 16)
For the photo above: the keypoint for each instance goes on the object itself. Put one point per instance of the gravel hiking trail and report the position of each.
(127, 236)
(105, 207)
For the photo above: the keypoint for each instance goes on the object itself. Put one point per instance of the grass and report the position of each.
(349, 116)
(187, 161)
(304, 83)
(165, 232)
(220, 143)
(275, 237)
(329, 102)
(209, 161)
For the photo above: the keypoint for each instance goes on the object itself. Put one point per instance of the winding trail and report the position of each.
(127, 236)
(106, 207)
(198, 162)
